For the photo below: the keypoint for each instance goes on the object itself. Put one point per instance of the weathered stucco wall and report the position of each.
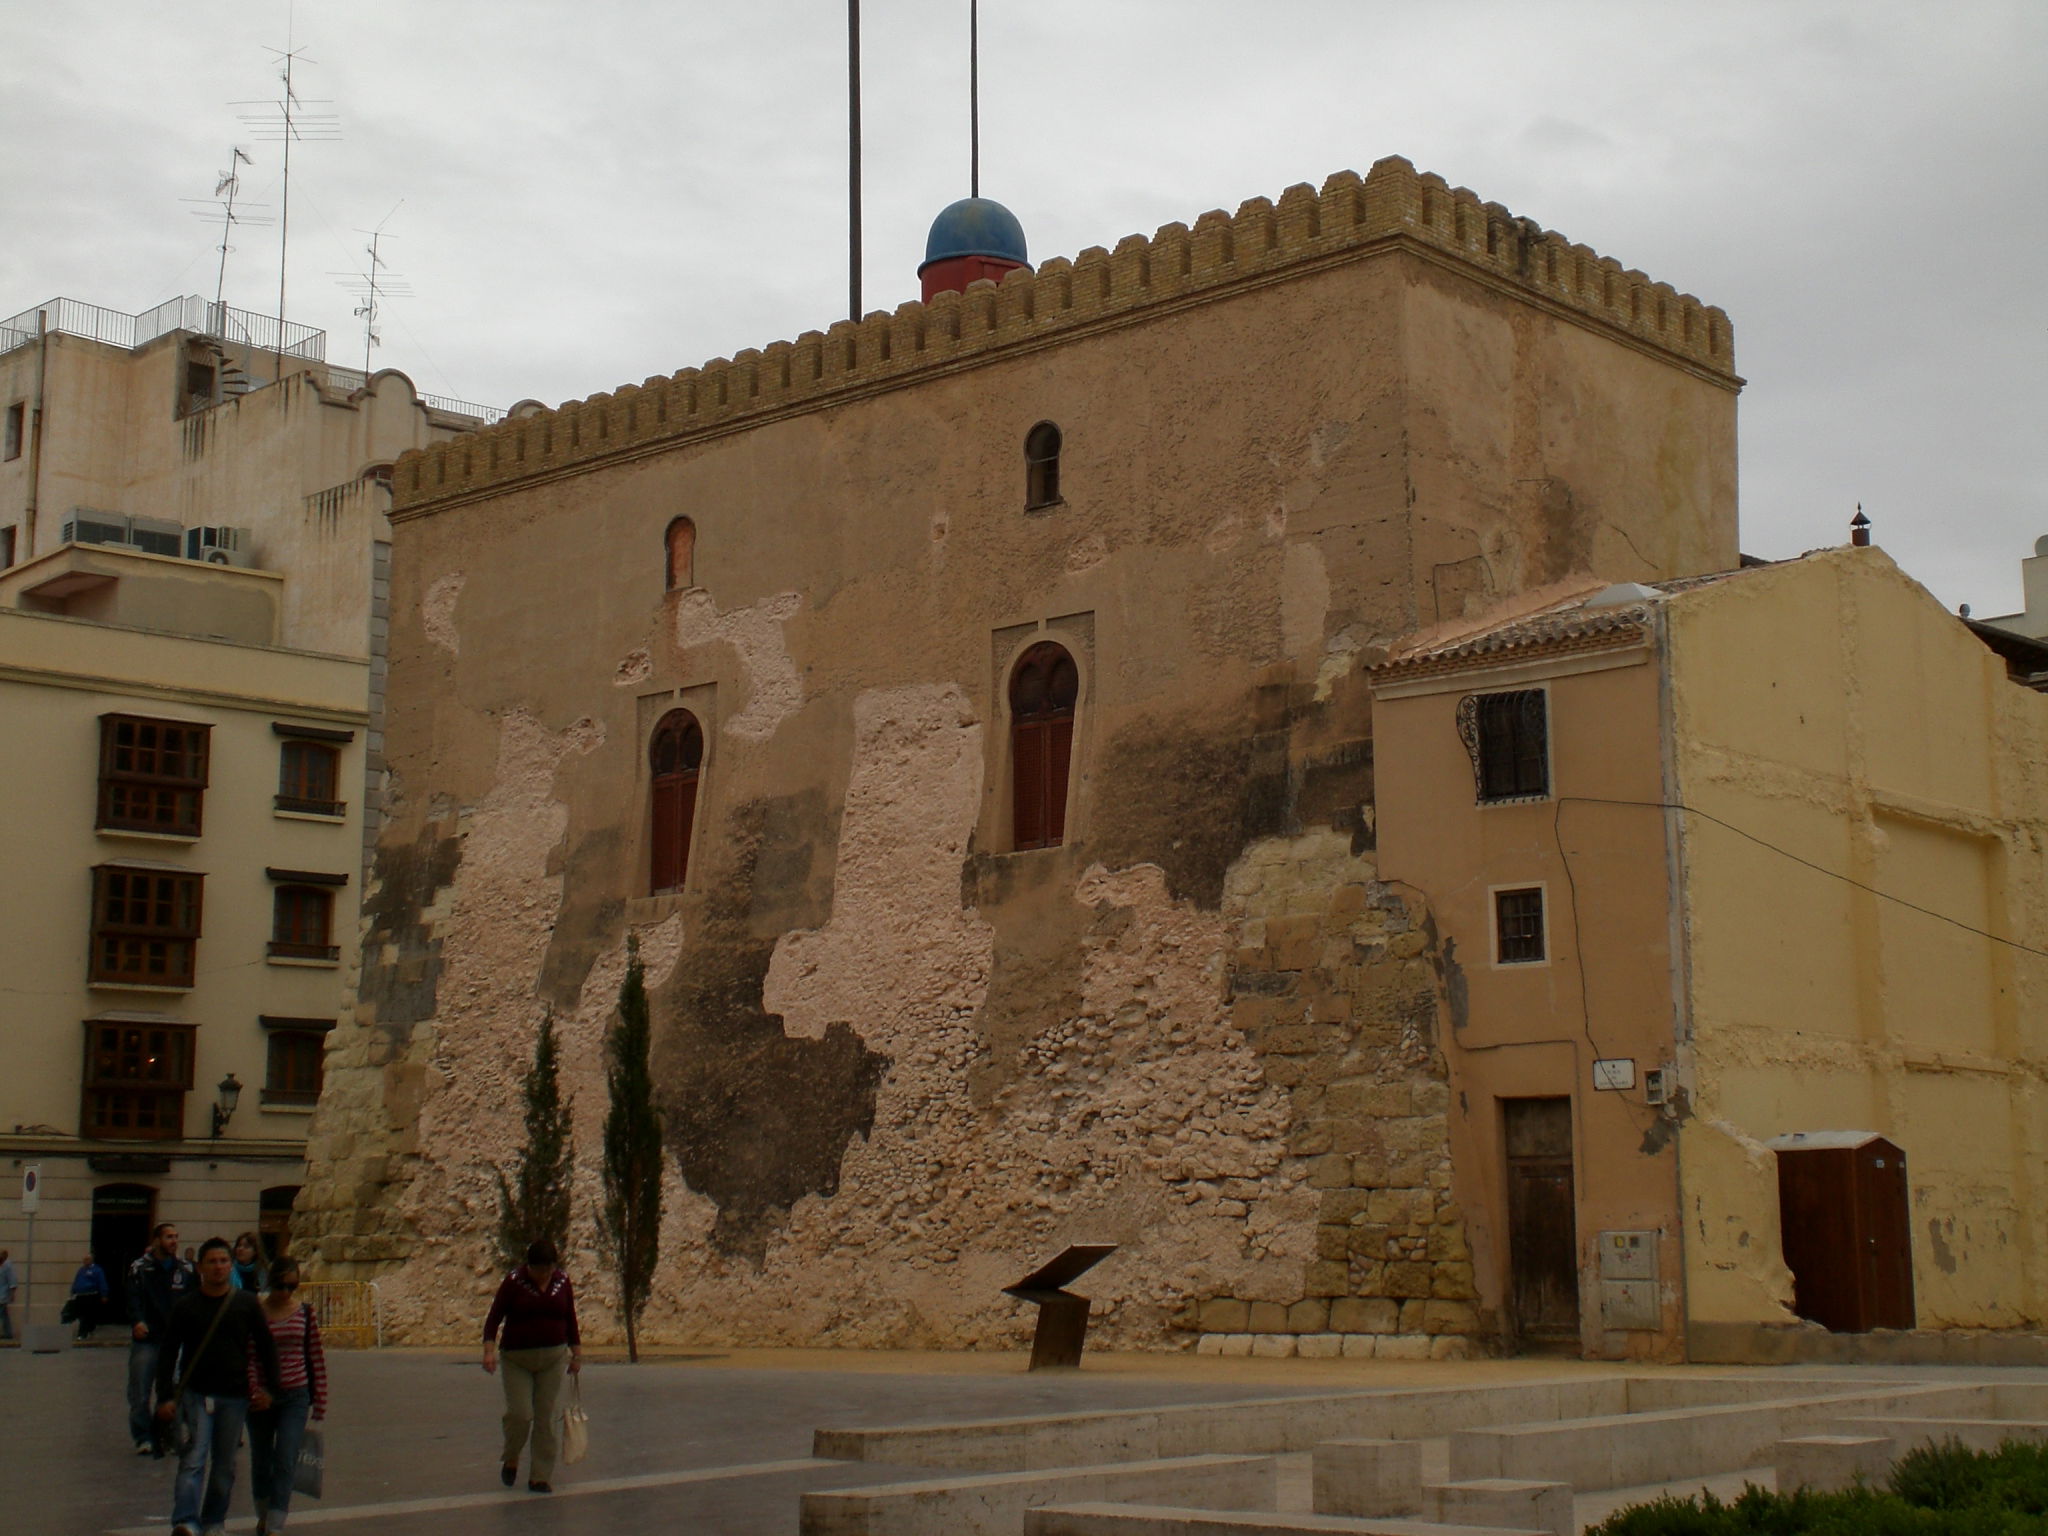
(1595, 847)
(900, 1062)
(1830, 708)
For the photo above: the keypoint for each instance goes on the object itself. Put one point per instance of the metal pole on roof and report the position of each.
(853, 166)
(974, 98)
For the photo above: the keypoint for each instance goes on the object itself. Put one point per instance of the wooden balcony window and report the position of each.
(152, 775)
(145, 929)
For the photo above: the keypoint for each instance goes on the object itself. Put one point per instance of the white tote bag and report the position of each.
(575, 1426)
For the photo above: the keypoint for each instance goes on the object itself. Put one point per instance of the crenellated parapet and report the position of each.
(1349, 218)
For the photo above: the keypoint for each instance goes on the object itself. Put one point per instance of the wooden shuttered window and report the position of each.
(145, 929)
(676, 756)
(152, 774)
(1043, 691)
(135, 1080)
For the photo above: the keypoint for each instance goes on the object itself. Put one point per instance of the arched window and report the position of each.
(1041, 466)
(677, 756)
(1042, 693)
(681, 543)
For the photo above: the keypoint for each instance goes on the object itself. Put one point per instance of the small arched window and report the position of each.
(1041, 466)
(677, 757)
(681, 544)
(1043, 689)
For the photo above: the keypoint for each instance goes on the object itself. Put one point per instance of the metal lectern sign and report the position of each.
(1062, 1316)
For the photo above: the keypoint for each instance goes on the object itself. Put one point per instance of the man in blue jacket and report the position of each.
(157, 1281)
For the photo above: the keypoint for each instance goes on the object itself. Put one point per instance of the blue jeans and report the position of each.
(214, 1425)
(275, 1435)
(142, 1388)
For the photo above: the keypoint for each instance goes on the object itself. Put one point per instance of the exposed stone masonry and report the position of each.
(1336, 986)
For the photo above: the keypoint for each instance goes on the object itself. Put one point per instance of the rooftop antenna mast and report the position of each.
(374, 287)
(225, 205)
(289, 121)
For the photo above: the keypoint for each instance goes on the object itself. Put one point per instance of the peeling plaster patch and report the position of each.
(1340, 659)
(1087, 553)
(1226, 532)
(911, 801)
(1304, 598)
(500, 912)
(636, 668)
(775, 688)
(1944, 1256)
(437, 611)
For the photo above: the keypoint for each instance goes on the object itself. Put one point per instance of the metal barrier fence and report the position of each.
(346, 1311)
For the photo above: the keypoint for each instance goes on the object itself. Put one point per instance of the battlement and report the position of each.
(1351, 216)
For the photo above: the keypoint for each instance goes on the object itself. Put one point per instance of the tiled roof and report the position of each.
(1570, 628)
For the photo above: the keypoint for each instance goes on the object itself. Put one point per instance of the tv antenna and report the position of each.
(372, 287)
(288, 120)
(223, 205)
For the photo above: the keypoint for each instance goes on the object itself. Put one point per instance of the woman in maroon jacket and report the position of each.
(537, 1308)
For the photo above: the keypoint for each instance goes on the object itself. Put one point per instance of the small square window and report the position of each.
(1518, 937)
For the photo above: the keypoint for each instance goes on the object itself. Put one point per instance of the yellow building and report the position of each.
(193, 551)
(1743, 899)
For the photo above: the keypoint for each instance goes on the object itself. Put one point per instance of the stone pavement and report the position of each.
(709, 1445)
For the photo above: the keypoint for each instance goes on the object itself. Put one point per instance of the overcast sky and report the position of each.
(590, 193)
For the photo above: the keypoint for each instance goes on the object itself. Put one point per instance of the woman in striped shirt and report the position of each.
(275, 1435)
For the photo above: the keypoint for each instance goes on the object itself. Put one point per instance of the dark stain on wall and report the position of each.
(1187, 796)
(407, 879)
(757, 1119)
(586, 925)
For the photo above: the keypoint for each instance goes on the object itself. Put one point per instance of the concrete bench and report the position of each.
(1633, 1449)
(1372, 1478)
(1166, 1520)
(1503, 1502)
(994, 1504)
(1830, 1463)
(1913, 1433)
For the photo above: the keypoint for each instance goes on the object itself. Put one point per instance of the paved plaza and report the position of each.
(706, 1444)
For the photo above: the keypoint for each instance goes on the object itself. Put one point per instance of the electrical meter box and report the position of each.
(1628, 1281)
(1628, 1255)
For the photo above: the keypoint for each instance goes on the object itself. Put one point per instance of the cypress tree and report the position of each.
(534, 1202)
(632, 1151)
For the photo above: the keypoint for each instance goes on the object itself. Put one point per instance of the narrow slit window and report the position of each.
(676, 756)
(1043, 691)
(681, 547)
(1041, 466)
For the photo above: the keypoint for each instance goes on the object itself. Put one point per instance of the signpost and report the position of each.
(40, 1340)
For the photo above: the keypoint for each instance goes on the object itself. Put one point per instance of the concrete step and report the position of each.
(994, 1504)
(1169, 1520)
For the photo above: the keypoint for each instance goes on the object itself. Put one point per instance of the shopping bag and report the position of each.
(575, 1427)
(311, 1469)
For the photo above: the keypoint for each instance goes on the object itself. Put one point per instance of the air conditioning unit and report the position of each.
(85, 526)
(219, 546)
(151, 535)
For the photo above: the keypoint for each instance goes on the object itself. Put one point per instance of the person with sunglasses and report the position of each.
(276, 1434)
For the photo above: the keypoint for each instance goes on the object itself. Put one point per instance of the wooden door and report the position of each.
(1543, 1243)
(1887, 1230)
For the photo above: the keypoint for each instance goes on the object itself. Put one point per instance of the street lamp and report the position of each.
(226, 1097)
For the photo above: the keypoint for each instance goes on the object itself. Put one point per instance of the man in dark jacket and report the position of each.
(157, 1281)
(207, 1347)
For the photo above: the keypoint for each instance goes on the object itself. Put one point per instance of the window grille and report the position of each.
(1518, 926)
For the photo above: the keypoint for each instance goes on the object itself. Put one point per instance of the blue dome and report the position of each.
(975, 226)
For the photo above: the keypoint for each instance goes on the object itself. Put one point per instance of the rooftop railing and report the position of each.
(191, 313)
(203, 317)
